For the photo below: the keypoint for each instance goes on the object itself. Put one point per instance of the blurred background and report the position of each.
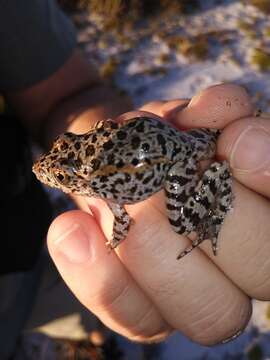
(160, 49)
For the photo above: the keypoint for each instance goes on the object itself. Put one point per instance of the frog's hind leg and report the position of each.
(205, 208)
(218, 179)
(180, 184)
(121, 225)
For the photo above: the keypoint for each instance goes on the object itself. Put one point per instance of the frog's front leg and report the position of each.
(121, 224)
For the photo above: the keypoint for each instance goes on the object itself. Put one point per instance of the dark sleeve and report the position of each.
(36, 39)
(25, 209)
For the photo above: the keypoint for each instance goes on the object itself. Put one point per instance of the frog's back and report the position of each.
(140, 139)
(134, 159)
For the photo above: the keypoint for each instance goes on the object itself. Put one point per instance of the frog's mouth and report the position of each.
(41, 172)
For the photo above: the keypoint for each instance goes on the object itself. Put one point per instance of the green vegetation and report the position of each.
(193, 47)
(261, 59)
(262, 5)
(144, 7)
(266, 31)
(108, 69)
(247, 27)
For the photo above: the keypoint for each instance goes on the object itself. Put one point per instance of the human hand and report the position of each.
(140, 290)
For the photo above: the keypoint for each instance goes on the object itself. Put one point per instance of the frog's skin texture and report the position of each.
(124, 163)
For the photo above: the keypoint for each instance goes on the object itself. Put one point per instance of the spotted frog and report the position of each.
(124, 163)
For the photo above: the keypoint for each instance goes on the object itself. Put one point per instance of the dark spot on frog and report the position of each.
(147, 179)
(64, 146)
(133, 123)
(127, 177)
(93, 138)
(95, 164)
(77, 163)
(108, 145)
(139, 175)
(120, 163)
(145, 147)
(225, 192)
(148, 190)
(222, 207)
(71, 155)
(133, 189)
(205, 202)
(121, 135)
(119, 182)
(135, 161)
(110, 159)
(64, 162)
(90, 150)
(103, 179)
(212, 186)
(140, 127)
(160, 125)
(190, 171)
(77, 145)
(161, 139)
(135, 142)
(113, 125)
(157, 182)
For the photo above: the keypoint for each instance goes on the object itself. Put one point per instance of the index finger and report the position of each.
(215, 107)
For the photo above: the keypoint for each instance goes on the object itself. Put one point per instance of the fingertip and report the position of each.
(75, 238)
(216, 106)
(245, 144)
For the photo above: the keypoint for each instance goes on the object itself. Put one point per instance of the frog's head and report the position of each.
(58, 167)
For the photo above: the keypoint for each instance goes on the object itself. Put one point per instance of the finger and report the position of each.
(136, 113)
(246, 145)
(192, 295)
(99, 280)
(243, 243)
(153, 107)
(215, 107)
(164, 108)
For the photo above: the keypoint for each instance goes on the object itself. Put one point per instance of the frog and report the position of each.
(127, 162)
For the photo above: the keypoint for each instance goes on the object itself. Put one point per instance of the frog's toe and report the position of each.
(214, 245)
(114, 242)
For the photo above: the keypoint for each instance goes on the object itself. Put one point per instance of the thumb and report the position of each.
(99, 280)
(246, 145)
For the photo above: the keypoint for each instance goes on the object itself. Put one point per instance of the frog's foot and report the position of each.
(115, 241)
(205, 209)
(196, 242)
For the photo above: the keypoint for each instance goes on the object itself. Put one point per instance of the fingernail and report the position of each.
(74, 244)
(251, 150)
(231, 338)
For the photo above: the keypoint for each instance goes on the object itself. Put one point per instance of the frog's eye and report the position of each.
(61, 178)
